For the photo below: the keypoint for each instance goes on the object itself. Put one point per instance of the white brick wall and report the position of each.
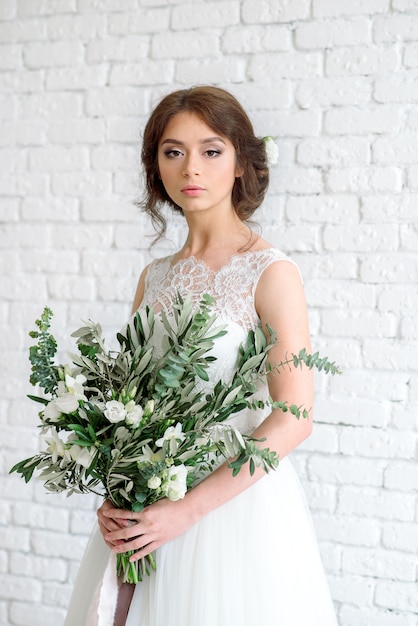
(336, 81)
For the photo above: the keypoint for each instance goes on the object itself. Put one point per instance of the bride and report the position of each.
(235, 550)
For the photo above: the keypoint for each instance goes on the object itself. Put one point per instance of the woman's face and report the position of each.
(197, 166)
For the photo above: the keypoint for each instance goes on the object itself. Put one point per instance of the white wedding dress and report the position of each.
(253, 561)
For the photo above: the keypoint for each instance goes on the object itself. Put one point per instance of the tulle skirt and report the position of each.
(252, 561)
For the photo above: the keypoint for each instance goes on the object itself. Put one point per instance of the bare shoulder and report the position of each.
(279, 296)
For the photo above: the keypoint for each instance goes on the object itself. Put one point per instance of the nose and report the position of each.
(191, 165)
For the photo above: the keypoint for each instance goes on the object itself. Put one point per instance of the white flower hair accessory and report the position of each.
(272, 150)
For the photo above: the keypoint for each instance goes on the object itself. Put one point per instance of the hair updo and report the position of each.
(222, 112)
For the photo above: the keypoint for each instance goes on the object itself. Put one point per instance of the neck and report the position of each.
(229, 235)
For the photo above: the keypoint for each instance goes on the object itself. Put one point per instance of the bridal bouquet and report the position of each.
(135, 427)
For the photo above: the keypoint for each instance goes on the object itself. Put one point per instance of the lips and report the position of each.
(192, 190)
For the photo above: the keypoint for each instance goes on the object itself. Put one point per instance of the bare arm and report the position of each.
(280, 303)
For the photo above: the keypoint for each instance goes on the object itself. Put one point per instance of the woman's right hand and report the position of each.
(107, 524)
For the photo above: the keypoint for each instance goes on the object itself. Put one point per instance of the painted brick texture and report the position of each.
(336, 82)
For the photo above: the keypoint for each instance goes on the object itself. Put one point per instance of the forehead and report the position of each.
(188, 126)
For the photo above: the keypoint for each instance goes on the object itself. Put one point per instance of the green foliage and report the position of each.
(42, 354)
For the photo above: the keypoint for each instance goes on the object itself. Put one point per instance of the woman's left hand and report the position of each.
(155, 525)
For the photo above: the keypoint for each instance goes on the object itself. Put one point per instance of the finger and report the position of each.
(121, 514)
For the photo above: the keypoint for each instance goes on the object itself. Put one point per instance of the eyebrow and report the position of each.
(203, 141)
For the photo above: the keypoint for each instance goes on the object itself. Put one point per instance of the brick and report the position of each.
(395, 28)
(368, 179)
(40, 261)
(41, 55)
(255, 39)
(361, 61)
(114, 157)
(325, 208)
(401, 536)
(321, 497)
(109, 209)
(400, 149)
(264, 96)
(378, 120)
(285, 65)
(78, 131)
(8, 10)
(123, 290)
(267, 11)
(18, 235)
(401, 475)
(182, 45)
(119, 263)
(389, 564)
(324, 91)
(76, 78)
(82, 236)
(401, 301)
(391, 208)
(140, 21)
(346, 470)
(405, 5)
(288, 123)
(26, 614)
(366, 442)
(323, 439)
(397, 88)
(23, 81)
(354, 590)
(328, 293)
(327, 34)
(10, 57)
(24, 133)
(348, 530)
(77, 27)
(50, 544)
(80, 184)
(110, 101)
(210, 15)
(39, 568)
(333, 151)
(226, 70)
(145, 73)
(412, 176)
(82, 522)
(323, 8)
(376, 503)
(134, 48)
(18, 587)
(362, 238)
(51, 105)
(105, 6)
(410, 57)
(366, 616)
(298, 180)
(8, 107)
(390, 268)
(12, 160)
(399, 596)
(368, 384)
(23, 30)
(40, 7)
(58, 159)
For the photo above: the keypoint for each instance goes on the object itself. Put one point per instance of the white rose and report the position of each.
(67, 403)
(154, 482)
(52, 412)
(82, 456)
(272, 151)
(177, 485)
(134, 416)
(172, 435)
(75, 385)
(115, 411)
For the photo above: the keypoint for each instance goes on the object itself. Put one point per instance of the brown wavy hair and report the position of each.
(222, 112)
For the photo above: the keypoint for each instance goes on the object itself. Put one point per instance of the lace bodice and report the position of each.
(233, 288)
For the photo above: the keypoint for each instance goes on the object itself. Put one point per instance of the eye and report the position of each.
(212, 153)
(173, 153)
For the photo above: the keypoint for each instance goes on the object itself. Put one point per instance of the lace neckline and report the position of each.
(207, 267)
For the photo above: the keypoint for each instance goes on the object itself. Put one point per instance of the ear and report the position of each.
(239, 171)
